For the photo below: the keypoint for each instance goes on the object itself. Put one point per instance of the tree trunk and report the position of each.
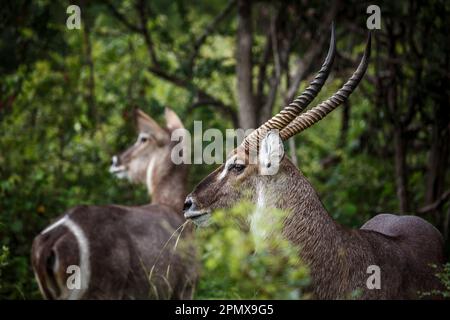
(438, 159)
(400, 169)
(345, 120)
(244, 64)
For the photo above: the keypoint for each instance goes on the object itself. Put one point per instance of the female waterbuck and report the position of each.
(401, 248)
(125, 252)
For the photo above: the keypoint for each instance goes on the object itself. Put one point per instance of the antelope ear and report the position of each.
(173, 122)
(146, 124)
(271, 152)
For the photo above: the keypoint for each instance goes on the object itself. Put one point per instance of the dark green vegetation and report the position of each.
(66, 101)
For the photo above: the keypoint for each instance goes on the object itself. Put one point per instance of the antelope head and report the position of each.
(153, 145)
(259, 160)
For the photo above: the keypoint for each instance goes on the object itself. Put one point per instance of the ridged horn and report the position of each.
(290, 112)
(317, 113)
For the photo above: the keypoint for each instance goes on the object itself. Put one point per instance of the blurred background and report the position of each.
(67, 96)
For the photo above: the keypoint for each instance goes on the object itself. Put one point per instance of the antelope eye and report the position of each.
(144, 139)
(236, 167)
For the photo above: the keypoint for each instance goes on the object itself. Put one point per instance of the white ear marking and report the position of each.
(270, 154)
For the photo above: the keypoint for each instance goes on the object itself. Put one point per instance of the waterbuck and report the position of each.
(402, 247)
(125, 252)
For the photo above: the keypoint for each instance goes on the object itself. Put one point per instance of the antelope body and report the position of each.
(125, 252)
(403, 247)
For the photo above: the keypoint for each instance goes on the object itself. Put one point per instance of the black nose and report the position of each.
(187, 204)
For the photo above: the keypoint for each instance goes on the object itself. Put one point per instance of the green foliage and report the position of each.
(58, 132)
(444, 276)
(42, 150)
(238, 265)
(4, 254)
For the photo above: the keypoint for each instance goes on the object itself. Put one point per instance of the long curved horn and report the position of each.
(317, 113)
(285, 116)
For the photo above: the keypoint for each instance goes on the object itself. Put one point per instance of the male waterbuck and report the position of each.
(403, 247)
(125, 252)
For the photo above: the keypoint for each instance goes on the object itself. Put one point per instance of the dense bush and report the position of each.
(443, 273)
(239, 265)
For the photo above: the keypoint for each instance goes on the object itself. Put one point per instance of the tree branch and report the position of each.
(119, 16)
(244, 66)
(266, 109)
(435, 205)
(203, 97)
(141, 8)
(262, 68)
(208, 30)
(223, 108)
(309, 56)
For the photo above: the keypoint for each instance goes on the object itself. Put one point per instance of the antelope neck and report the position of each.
(166, 182)
(307, 224)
